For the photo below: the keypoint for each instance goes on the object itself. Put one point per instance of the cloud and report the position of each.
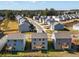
(33, 1)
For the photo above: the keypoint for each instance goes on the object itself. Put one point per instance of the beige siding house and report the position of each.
(62, 40)
(76, 26)
(39, 41)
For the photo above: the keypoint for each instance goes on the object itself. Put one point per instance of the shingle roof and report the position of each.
(39, 35)
(62, 34)
(18, 17)
(16, 36)
(21, 21)
(56, 23)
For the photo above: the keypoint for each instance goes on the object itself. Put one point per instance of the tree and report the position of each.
(45, 12)
(52, 12)
(9, 15)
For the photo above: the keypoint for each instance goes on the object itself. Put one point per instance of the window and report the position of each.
(34, 39)
(43, 39)
(34, 43)
(14, 44)
(8, 40)
(14, 40)
(13, 48)
(39, 39)
(22, 48)
(58, 42)
(43, 42)
(9, 44)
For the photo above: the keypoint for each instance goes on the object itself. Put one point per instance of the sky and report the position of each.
(36, 5)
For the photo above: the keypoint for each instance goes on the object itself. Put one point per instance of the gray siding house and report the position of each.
(39, 41)
(15, 42)
(62, 40)
(42, 19)
(24, 26)
(18, 17)
(56, 26)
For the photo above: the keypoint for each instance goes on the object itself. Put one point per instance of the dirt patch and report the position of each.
(71, 24)
(12, 27)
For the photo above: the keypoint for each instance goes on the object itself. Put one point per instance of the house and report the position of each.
(56, 18)
(76, 26)
(73, 16)
(43, 20)
(1, 18)
(75, 40)
(1, 34)
(49, 20)
(40, 19)
(56, 26)
(37, 18)
(18, 17)
(33, 17)
(3, 42)
(70, 18)
(62, 40)
(39, 41)
(15, 42)
(24, 26)
(77, 16)
(63, 17)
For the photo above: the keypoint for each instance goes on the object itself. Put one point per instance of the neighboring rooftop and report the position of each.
(56, 23)
(62, 34)
(16, 36)
(76, 24)
(39, 35)
(18, 17)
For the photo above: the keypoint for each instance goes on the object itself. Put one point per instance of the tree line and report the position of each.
(10, 14)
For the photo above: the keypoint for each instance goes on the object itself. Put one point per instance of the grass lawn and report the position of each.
(49, 31)
(77, 19)
(68, 21)
(71, 29)
(42, 54)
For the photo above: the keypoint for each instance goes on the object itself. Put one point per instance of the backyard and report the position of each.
(49, 53)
